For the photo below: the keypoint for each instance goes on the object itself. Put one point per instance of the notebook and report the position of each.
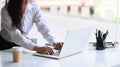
(75, 42)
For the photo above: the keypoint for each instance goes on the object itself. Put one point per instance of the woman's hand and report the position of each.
(58, 45)
(43, 50)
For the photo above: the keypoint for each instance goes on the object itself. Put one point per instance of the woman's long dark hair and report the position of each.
(14, 8)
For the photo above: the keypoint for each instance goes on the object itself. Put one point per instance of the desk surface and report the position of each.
(89, 58)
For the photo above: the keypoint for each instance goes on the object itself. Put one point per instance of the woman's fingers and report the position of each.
(49, 50)
(58, 45)
(44, 50)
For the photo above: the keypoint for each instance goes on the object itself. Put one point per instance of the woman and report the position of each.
(17, 18)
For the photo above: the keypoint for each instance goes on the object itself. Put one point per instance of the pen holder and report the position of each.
(100, 39)
(99, 44)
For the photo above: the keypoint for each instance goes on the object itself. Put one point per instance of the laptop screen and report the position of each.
(75, 41)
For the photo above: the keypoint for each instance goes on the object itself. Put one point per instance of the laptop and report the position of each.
(74, 43)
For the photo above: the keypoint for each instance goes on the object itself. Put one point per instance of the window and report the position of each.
(77, 13)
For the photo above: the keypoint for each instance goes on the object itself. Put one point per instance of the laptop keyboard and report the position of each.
(57, 53)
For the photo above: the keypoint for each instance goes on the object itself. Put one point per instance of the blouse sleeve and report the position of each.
(42, 25)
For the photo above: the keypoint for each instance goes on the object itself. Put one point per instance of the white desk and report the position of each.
(89, 58)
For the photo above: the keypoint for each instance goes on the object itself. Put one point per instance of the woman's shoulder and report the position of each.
(34, 4)
(3, 9)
